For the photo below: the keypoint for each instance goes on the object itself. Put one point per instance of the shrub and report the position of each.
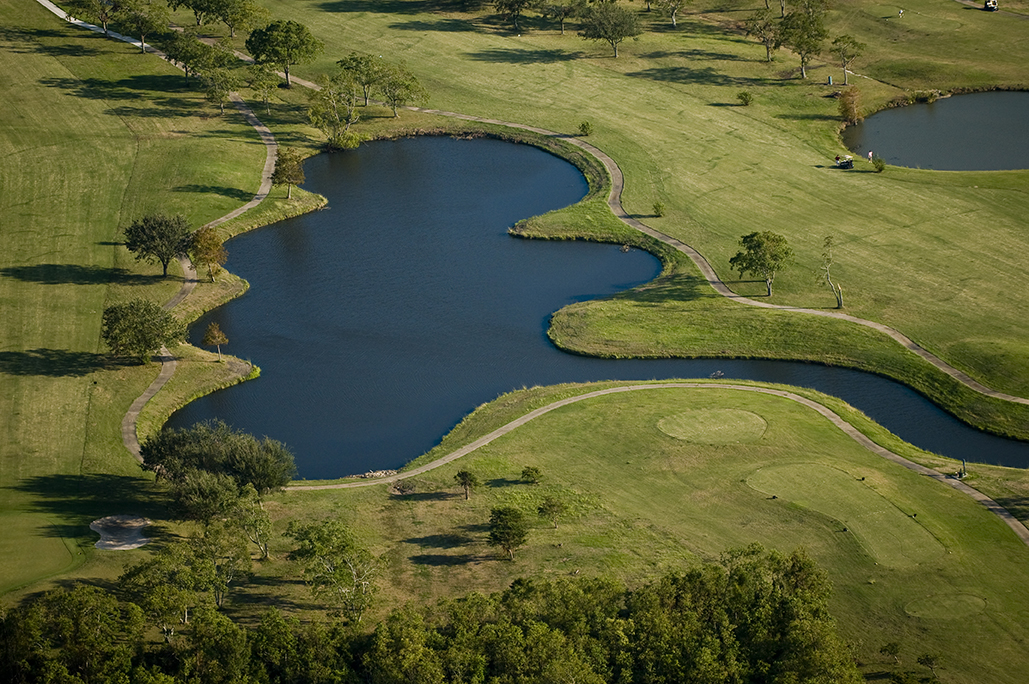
(585, 128)
(879, 163)
(659, 209)
(848, 104)
(745, 98)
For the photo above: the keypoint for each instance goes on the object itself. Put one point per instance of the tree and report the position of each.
(826, 276)
(334, 564)
(263, 81)
(849, 109)
(563, 11)
(219, 652)
(512, 10)
(203, 496)
(143, 17)
(930, 660)
(672, 7)
(551, 509)
(219, 83)
(289, 169)
(333, 110)
(767, 29)
(508, 529)
(366, 71)
(214, 337)
(159, 237)
(891, 649)
(139, 328)
(241, 14)
(207, 249)
(226, 551)
(532, 474)
(764, 254)
(468, 481)
(192, 54)
(398, 87)
(203, 10)
(803, 31)
(248, 512)
(98, 11)
(610, 23)
(283, 43)
(168, 585)
(847, 49)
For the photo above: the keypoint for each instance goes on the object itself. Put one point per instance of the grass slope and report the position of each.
(92, 135)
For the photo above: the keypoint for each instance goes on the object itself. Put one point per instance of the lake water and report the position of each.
(383, 320)
(978, 131)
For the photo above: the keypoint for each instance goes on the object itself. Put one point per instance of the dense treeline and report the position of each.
(755, 616)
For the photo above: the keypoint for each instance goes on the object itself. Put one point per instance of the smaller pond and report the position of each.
(974, 132)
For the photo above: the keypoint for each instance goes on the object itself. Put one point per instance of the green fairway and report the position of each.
(911, 559)
(92, 135)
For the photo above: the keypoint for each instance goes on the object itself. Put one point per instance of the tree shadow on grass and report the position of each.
(54, 363)
(808, 117)
(74, 274)
(669, 288)
(74, 501)
(158, 89)
(442, 559)
(696, 55)
(518, 56)
(426, 496)
(232, 193)
(442, 25)
(502, 482)
(27, 40)
(685, 74)
(440, 541)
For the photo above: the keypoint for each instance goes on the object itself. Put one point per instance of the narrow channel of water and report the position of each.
(380, 322)
(974, 132)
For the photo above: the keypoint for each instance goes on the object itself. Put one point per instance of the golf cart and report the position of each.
(845, 163)
(990, 5)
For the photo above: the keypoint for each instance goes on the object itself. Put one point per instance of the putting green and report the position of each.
(714, 426)
(946, 606)
(890, 536)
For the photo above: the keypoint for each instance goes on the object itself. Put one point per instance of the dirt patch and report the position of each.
(120, 532)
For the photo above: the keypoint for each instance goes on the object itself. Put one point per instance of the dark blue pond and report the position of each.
(382, 321)
(979, 131)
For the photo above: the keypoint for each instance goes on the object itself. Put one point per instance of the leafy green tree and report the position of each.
(512, 10)
(551, 509)
(168, 585)
(289, 169)
(930, 660)
(219, 652)
(214, 337)
(532, 474)
(139, 328)
(143, 17)
(284, 44)
(366, 70)
(803, 31)
(468, 481)
(333, 110)
(891, 649)
(96, 11)
(398, 87)
(160, 238)
(846, 48)
(563, 11)
(192, 54)
(402, 651)
(248, 512)
(672, 7)
(610, 23)
(225, 549)
(219, 84)
(79, 635)
(241, 15)
(203, 10)
(335, 565)
(508, 529)
(203, 496)
(764, 254)
(767, 29)
(263, 81)
(207, 249)
(826, 275)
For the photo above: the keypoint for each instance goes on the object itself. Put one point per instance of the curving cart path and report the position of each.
(1017, 527)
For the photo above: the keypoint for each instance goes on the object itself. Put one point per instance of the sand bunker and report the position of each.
(120, 532)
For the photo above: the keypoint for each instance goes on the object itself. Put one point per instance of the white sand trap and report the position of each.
(120, 532)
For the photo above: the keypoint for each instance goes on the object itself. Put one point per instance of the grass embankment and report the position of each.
(93, 136)
(917, 250)
(649, 489)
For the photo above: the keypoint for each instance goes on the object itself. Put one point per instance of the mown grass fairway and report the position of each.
(933, 254)
(899, 548)
(92, 135)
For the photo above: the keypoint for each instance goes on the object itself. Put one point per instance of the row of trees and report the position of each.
(765, 253)
(803, 31)
(753, 616)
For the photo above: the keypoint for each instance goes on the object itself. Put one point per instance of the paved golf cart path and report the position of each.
(1017, 527)
(614, 202)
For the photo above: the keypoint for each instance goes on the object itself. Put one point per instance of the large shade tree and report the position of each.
(160, 238)
(138, 328)
(764, 254)
(283, 44)
(610, 23)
